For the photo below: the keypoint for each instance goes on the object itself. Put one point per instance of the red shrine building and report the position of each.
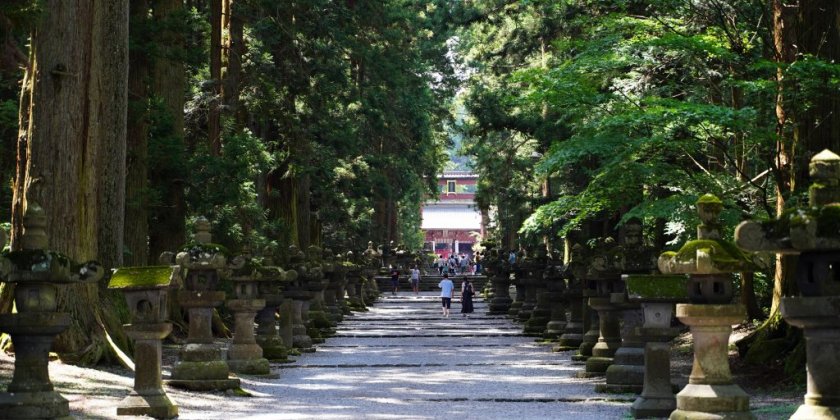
(452, 223)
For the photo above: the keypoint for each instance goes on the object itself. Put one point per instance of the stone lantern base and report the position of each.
(819, 317)
(31, 395)
(710, 393)
(202, 369)
(155, 406)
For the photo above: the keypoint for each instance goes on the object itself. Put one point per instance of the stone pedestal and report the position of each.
(536, 325)
(300, 339)
(819, 317)
(501, 301)
(627, 372)
(268, 338)
(590, 337)
(531, 284)
(244, 354)
(30, 394)
(609, 337)
(148, 397)
(657, 398)
(572, 336)
(710, 392)
(200, 366)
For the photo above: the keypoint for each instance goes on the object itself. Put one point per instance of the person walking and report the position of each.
(395, 280)
(467, 293)
(446, 287)
(440, 264)
(415, 279)
(464, 263)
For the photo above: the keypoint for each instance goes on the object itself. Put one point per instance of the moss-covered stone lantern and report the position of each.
(271, 281)
(540, 313)
(573, 272)
(813, 233)
(556, 297)
(146, 291)
(604, 272)
(244, 354)
(657, 294)
(709, 261)
(201, 366)
(627, 372)
(318, 324)
(298, 292)
(36, 273)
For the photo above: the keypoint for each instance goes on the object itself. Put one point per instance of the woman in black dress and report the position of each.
(467, 293)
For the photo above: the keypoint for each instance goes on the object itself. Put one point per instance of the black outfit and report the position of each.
(467, 298)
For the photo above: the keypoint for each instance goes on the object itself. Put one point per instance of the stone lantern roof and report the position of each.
(708, 254)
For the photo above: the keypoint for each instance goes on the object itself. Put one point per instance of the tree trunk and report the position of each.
(72, 141)
(235, 49)
(136, 185)
(167, 231)
(213, 117)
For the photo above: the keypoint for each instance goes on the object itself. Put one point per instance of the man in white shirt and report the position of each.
(415, 279)
(446, 288)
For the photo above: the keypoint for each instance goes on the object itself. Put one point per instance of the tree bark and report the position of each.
(213, 116)
(167, 230)
(235, 49)
(71, 149)
(137, 153)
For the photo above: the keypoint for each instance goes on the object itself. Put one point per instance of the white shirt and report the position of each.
(415, 274)
(446, 287)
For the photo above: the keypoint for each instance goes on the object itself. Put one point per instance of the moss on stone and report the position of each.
(141, 277)
(657, 286)
(27, 259)
(709, 199)
(828, 221)
(725, 256)
(210, 248)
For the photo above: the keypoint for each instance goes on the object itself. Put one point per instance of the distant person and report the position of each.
(446, 288)
(395, 280)
(440, 264)
(465, 264)
(512, 257)
(467, 293)
(415, 279)
(477, 269)
(445, 266)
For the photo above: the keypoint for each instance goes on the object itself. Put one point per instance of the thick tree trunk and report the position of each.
(136, 185)
(72, 151)
(167, 231)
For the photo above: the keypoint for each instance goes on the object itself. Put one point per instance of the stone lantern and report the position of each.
(146, 291)
(347, 265)
(499, 272)
(354, 278)
(519, 268)
(605, 272)
(657, 294)
(271, 281)
(573, 273)
(244, 354)
(814, 234)
(626, 374)
(298, 292)
(334, 273)
(200, 366)
(536, 323)
(36, 273)
(318, 324)
(709, 261)
(556, 297)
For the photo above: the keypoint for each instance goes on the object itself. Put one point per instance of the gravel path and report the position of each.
(401, 359)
